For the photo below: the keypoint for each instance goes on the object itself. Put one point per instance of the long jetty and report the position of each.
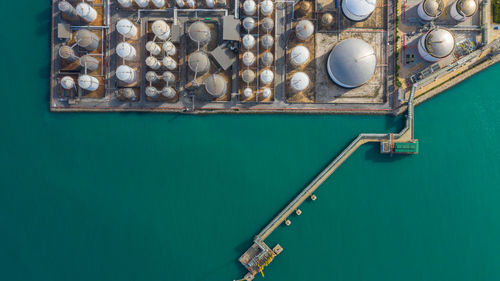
(259, 254)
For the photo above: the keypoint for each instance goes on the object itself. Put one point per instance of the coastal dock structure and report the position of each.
(260, 255)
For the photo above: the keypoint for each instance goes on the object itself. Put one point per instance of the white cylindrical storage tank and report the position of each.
(126, 28)
(351, 63)
(248, 41)
(126, 51)
(142, 3)
(88, 83)
(126, 74)
(266, 93)
(216, 85)
(161, 29)
(169, 63)
(191, 4)
(67, 53)
(86, 12)
(266, 77)
(199, 62)
(247, 93)
(436, 44)
(153, 63)
(358, 10)
(158, 3)
(299, 82)
(210, 3)
(248, 24)
(266, 7)
(267, 59)
(248, 76)
(153, 48)
(130, 94)
(199, 32)
(67, 9)
(152, 92)
(168, 77)
(90, 63)
(152, 77)
(87, 39)
(169, 48)
(304, 30)
(463, 9)
(67, 83)
(125, 3)
(249, 7)
(267, 41)
(299, 55)
(248, 58)
(180, 3)
(267, 25)
(168, 92)
(221, 3)
(429, 10)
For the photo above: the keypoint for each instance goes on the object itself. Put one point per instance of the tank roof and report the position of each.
(433, 8)
(199, 32)
(466, 8)
(361, 8)
(439, 42)
(216, 85)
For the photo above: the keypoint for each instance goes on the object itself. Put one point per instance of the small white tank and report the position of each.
(191, 4)
(247, 93)
(67, 54)
(248, 41)
(87, 39)
(152, 77)
(67, 9)
(67, 83)
(169, 48)
(248, 24)
(161, 29)
(88, 83)
(152, 92)
(267, 25)
(126, 74)
(249, 7)
(153, 63)
(168, 77)
(267, 59)
(130, 94)
(86, 12)
(248, 76)
(299, 55)
(125, 3)
(168, 92)
(266, 7)
(266, 77)
(267, 41)
(299, 82)
(266, 93)
(89, 63)
(142, 3)
(126, 28)
(210, 3)
(304, 30)
(153, 48)
(180, 3)
(126, 51)
(248, 58)
(169, 63)
(158, 3)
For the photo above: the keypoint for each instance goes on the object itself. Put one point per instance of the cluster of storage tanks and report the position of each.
(159, 4)
(258, 45)
(439, 42)
(87, 41)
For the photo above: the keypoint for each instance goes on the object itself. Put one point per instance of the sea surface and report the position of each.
(137, 196)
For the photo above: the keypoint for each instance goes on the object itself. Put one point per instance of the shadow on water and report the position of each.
(44, 22)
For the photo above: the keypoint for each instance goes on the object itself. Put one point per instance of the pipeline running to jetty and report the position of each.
(260, 255)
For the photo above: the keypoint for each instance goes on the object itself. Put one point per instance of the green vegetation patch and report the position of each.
(496, 10)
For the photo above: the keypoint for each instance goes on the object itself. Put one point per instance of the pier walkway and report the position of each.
(260, 255)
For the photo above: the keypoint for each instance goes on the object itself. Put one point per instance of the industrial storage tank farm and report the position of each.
(254, 56)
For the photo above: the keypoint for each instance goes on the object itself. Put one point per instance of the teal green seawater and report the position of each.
(172, 197)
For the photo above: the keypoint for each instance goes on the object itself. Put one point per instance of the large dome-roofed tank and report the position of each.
(304, 30)
(358, 10)
(199, 32)
(351, 63)
(216, 85)
(463, 9)
(199, 62)
(429, 10)
(436, 44)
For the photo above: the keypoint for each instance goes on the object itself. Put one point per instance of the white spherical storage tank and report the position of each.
(168, 77)
(248, 24)
(152, 77)
(67, 83)
(210, 3)
(248, 58)
(267, 25)
(126, 51)
(161, 29)
(463, 9)
(247, 93)
(126, 28)
(299, 82)
(248, 41)
(153, 63)
(180, 3)
(266, 93)
(125, 3)
(304, 30)
(266, 7)
(358, 10)
(248, 76)
(169, 63)
(142, 3)
(351, 63)
(267, 41)
(88, 83)
(152, 92)
(429, 10)
(126, 74)
(168, 92)
(153, 48)
(436, 44)
(267, 59)
(266, 77)
(169, 48)
(299, 55)
(249, 7)
(86, 12)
